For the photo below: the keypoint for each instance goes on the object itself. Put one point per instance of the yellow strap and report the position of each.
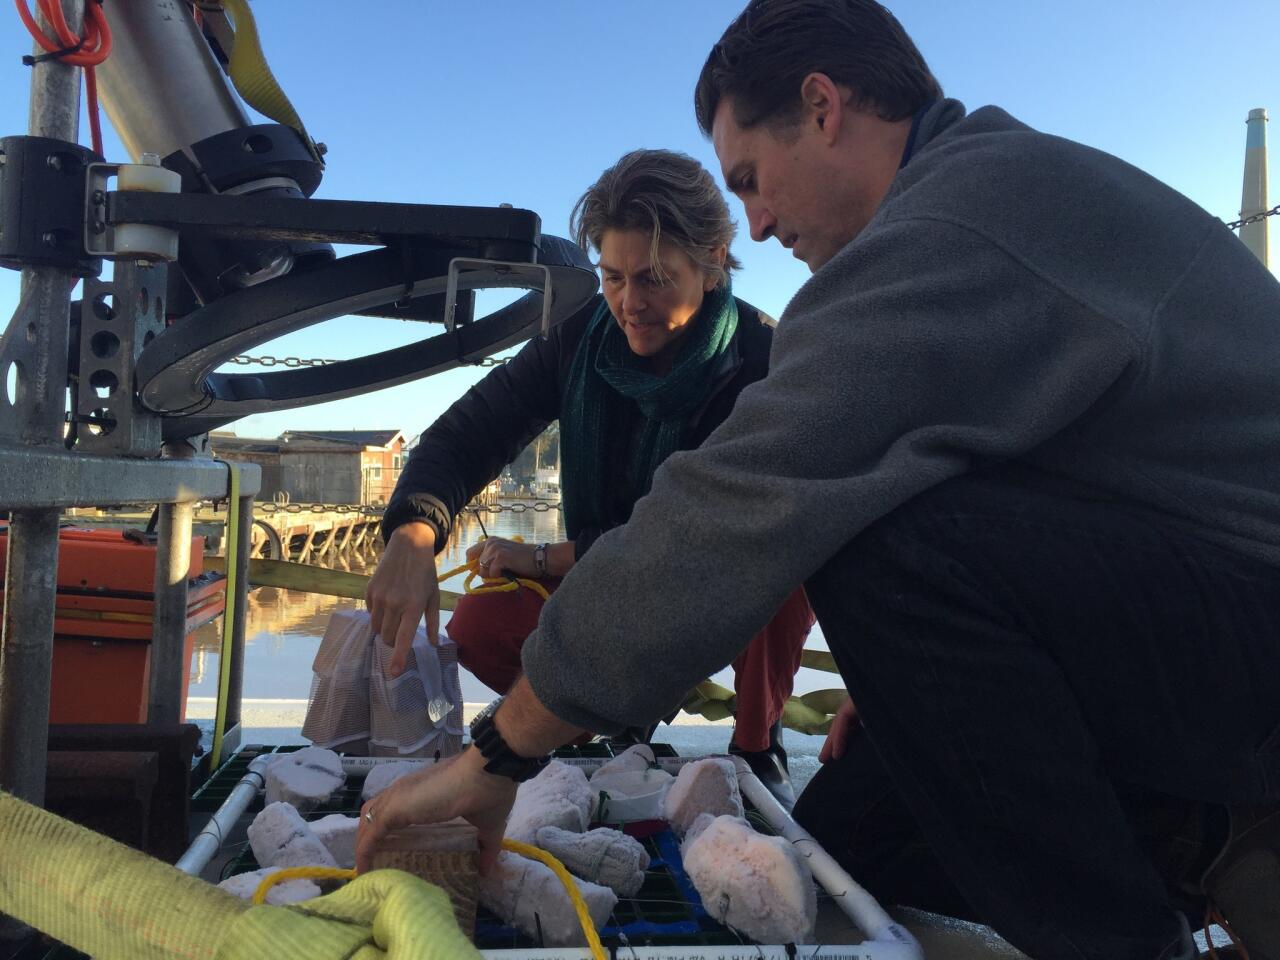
(287, 575)
(228, 614)
(819, 660)
(810, 713)
(298, 873)
(571, 888)
(252, 77)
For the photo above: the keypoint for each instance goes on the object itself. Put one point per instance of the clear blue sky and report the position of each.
(496, 101)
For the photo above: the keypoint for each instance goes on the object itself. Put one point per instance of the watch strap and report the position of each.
(502, 760)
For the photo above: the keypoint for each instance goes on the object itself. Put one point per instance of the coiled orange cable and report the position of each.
(87, 51)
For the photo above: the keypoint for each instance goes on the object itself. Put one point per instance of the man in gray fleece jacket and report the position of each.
(1021, 440)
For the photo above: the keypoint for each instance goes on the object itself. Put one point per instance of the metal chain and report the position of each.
(1237, 224)
(269, 361)
(363, 509)
(541, 506)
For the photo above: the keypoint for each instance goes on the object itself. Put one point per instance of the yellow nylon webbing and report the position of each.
(251, 75)
(229, 614)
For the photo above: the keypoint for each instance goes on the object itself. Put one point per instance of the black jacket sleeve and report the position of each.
(483, 431)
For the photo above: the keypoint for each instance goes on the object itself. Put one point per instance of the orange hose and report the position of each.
(97, 35)
(94, 48)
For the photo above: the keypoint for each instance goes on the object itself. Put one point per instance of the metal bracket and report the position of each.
(117, 319)
(98, 233)
(504, 273)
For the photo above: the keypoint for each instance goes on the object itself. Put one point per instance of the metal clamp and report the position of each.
(511, 275)
(41, 206)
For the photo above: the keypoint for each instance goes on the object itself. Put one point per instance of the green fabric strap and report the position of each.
(605, 374)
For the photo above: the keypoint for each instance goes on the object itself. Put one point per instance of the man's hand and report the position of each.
(499, 557)
(457, 787)
(402, 588)
(843, 725)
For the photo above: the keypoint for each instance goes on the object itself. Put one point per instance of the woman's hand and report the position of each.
(500, 558)
(457, 787)
(843, 725)
(403, 588)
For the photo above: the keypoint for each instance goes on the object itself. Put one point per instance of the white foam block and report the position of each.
(557, 797)
(281, 838)
(244, 885)
(385, 774)
(756, 884)
(305, 778)
(704, 786)
(528, 896)
(604, 856)
(634, 759)
(338, 834)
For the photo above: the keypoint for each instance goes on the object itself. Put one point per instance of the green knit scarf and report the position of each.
(605, 374)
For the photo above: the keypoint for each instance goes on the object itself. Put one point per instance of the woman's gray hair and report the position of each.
(667, 194)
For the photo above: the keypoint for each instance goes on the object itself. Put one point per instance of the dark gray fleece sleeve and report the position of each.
(915, 351)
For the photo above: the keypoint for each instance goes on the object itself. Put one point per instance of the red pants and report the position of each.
(490, 629)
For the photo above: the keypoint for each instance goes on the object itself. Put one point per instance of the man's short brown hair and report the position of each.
(766, 53)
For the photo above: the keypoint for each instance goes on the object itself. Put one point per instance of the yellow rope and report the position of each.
(298, 873)
(571, 888)
(493, 584)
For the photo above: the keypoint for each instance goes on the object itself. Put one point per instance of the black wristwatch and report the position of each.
(503, 761)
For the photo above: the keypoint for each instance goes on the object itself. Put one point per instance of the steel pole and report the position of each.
(26, 641)
(31, 574)
(30, 583)
(169, 629)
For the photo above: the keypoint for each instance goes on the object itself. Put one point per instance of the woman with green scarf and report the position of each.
(650, 367)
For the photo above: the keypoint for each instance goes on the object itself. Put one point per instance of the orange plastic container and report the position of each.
(103, 620)
(107, 561)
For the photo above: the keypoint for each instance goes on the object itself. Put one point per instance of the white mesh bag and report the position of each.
(338, 708)
(419, 713)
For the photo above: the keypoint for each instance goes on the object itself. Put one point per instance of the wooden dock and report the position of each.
(300, 532)
(305, 532)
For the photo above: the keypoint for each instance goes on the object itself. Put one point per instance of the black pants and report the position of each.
(1040, 677)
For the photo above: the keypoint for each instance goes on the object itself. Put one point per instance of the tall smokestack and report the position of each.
(1256, 235)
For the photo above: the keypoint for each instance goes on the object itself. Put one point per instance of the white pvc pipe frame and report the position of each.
(209, 840)
(887, 940)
